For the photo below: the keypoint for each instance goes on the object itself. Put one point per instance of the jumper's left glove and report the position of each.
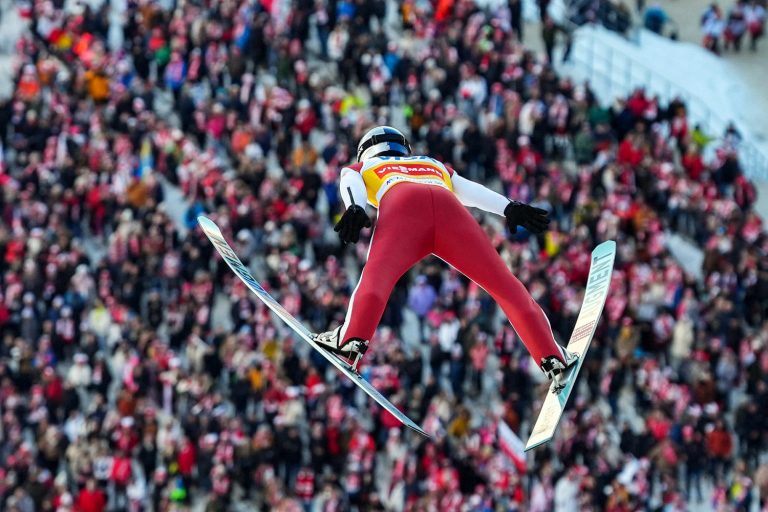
(350, 224)
(531, 218)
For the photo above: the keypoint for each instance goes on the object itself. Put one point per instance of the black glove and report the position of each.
(531, 218)
(350, 224)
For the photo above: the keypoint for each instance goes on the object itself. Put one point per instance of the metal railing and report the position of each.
(612, 73)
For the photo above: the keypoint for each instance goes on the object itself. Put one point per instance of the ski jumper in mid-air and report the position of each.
(421, 211)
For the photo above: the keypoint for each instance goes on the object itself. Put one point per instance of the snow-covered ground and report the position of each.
(6, 76)
(11, 27)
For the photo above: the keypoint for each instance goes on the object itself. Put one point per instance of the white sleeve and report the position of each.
(477, 196)
(352, 188)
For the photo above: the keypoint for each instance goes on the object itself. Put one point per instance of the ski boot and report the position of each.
(353, 349)
(555, 368)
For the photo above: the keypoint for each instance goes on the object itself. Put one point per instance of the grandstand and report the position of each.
(137, 374)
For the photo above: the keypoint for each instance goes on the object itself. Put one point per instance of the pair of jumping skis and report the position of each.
(554, 404)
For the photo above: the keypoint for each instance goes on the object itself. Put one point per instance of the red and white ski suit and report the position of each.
(421, 211)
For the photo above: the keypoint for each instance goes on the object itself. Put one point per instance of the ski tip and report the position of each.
(207, 223)
(531, 445)
(608, 245)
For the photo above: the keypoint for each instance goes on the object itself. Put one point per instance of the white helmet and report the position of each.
(382, 141)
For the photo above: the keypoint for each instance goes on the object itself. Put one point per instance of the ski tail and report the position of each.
(214, 234)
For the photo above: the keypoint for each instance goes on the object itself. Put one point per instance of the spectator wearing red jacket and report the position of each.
(744, 192)
(306, 120)
(658, 425)
(527, 157)
(305, 485)
(679, 126)
(693, 163)
(91, 498)
(719, 448)
(630, 151)
(54, 389)
(638, 103)
(120, 475)
(187, 458)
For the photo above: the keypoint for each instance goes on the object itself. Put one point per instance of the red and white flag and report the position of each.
(511, 445)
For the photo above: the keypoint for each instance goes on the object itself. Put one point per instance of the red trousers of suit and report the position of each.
(416, 220)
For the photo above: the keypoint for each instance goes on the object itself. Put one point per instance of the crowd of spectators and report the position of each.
(721, 29)
(613, 15)
(136, 373)
(725, 31)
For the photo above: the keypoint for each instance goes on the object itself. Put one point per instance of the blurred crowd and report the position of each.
(136, 373)
(723, 31)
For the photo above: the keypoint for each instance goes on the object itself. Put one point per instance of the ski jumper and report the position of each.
(421, 211)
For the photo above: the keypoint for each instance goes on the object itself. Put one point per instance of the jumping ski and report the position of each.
(594, 299)
(213, 233)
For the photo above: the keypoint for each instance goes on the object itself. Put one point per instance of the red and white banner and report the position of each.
(511, 445)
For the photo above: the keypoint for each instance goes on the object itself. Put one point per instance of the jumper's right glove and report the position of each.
(531, 218)
(350, 224)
